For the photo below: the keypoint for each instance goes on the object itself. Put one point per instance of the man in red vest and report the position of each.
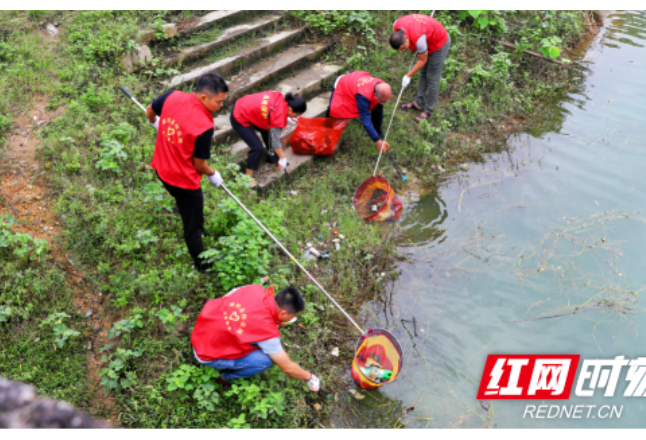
(360, 95)
(184, 123)
(426, 37)
(238, 333)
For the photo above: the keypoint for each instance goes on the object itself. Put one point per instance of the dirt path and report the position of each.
(25, 196)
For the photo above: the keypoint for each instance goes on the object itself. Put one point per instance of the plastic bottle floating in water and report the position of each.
(376, 373)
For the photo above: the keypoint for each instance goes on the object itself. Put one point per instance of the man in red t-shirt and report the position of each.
(184, 123)
(426, 37)
(238, 333)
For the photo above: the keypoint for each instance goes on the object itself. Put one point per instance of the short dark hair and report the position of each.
(296, 103)
(291, 300)
(211, 83)
(397, 39)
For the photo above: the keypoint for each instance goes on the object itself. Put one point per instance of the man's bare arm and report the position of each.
(421, 60)
(202, 167)
(289, 367)
(150, 114)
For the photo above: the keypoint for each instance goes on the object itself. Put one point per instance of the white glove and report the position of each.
(405, 81)
(282, 163)
(314, 383)
(292, 120)
(155, 124)
(216, 179)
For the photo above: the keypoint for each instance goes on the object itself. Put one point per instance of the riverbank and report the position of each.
(117, 265)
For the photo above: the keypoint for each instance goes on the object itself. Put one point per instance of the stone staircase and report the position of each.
(280, 60)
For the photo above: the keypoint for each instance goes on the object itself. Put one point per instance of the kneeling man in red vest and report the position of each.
(238, 333)
(360, 95)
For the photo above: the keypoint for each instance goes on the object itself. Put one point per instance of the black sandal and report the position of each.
(410, 106)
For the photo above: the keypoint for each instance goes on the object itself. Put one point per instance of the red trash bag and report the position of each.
(317, 136)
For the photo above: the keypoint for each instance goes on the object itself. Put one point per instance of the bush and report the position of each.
(362, 22)
(24, 246)
(6, 123)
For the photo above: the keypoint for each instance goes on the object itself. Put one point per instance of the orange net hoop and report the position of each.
(376, 201)
(376, 351)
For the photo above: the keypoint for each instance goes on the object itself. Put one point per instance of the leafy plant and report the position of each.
(5, 313)
(485, 20)
(24, 245)
(198, 383)
(362, 22)
(160, 31)
(249, 396)
(241, 254)
(62, 333)
(117, 376)
(111, 154)
(170, 318)
(549, 47)
(126, 325)
(239, 422)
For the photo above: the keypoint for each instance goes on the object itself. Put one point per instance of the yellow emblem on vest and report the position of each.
(232, 316)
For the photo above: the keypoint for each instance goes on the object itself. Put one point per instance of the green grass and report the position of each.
(125, 236)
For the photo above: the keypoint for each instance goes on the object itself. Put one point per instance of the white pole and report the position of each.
(291, 256)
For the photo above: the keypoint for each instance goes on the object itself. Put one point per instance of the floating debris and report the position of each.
(335, 352)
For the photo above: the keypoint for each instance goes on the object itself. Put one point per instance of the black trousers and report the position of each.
(376, 115)
(249, 137)
(190, 203)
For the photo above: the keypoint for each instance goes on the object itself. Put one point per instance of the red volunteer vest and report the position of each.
(416, 25)
(253, 110)
(344, 103)
(183, 119)
(226, 327)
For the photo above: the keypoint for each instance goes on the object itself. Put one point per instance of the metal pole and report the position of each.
(387, 131)
(291, 257)
(127, 93)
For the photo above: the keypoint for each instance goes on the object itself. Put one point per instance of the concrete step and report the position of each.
(190, 26)
(315, 109)
(191, 53)
(262, 73)
(227, 66)
(268, 173)
(305, 83)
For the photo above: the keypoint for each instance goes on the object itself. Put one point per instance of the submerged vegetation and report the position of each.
(122, 251)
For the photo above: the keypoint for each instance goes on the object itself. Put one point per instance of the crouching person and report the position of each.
(238, 333)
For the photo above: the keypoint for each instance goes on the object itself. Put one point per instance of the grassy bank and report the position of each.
(123, 238)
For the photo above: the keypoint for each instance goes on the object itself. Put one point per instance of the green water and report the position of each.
(554, 228)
